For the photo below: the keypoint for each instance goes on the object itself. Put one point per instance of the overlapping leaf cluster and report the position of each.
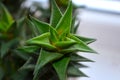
(7, 40)
(58, 46)
(10, 37)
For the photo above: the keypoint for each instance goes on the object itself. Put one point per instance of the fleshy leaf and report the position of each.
(28, 49)
(75, 72)
(2, 26)
(44, 58)
(61, 68)
(64, 25)
(42, 41)
(4, 49)
(6, 46)
(85, 39)
(20, 22)
(33, 27)
(80, 46)
(6, 19)
(64, 44)
(53, 36)
(41, 26)
(62, 2)
(78, 58)
(55, 15)
(76, 27)
(78, 65)
(27, 65)
(73, 23)
(25, 56)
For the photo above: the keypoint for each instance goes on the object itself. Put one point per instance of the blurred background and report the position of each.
(99, 19)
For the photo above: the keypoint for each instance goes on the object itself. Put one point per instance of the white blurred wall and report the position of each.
(105, 27)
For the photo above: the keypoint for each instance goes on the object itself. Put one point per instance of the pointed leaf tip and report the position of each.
(75, 72)
(85, 39)
(61, 68)
(81, 46)
(6, 18)
(41, 26)
(28, 49)
(55, 15)
(44, 58)
(42, 41)
(53, 35)
(77, 58)
(64, 25)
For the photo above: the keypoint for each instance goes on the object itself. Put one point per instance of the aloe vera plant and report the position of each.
(55, 47)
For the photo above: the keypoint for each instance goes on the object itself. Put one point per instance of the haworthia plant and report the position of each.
(57, 47)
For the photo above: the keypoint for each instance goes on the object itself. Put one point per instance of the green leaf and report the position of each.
(73, 23)
(75, 72)
(6, 19)
(64, 25)
(20, 75)
(28, 49)
(64, 44)
(76, 27)
(6, 46)
(61, 67)
(80, 46)
(2, 26)
(1, 73)
(7, 16)
(27, 65)
(45, 57)
(41, 26)
(25, 56)
(55, 15)
(78, 65)
(77, 58)
(62, 3)
(33, 27)
(13, 31)
(42, 41)
(20, 22)
(53, 36)
(4, 49)
(85, 39)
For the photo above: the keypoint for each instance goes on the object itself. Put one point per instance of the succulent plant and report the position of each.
(54, 48)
